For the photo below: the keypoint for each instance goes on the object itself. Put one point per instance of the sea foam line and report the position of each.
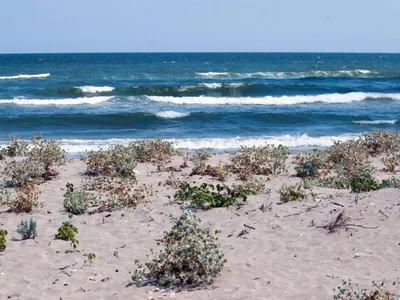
(171, 114)
(272, 100)
(95, 89)
(25, 76)
(283, 75)
(74, 146)
(70, 101)
(375, 122)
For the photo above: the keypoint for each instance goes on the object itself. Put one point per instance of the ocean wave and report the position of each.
(275, 100)
(375, 122)
(285, 75)
(171, 114)
(25, 76)
(95, 89)
(76, 146)
(213, 74)
(71, 101)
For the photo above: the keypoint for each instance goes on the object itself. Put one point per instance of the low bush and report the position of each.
(207, 196)
(253, 185)
(41, 156)
(190, 257)
(153, 150)
(378, 291)
(4, 196)
(77, 202)
(27, 230)
(3, 240)
(291, 193)
(117, 161)
(16, 147)
(26, 200)
(311, 163)
(67, 232)
(263, 160)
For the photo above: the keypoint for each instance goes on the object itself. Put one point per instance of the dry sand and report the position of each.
(285, 256)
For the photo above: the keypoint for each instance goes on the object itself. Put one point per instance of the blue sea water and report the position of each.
(214, 100)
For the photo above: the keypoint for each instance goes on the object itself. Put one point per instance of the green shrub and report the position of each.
(291, 193)
(77, 202)
(91, 257)
(37, 166)
(27, 230)
(378, 291)
(207, 196)
(309, 164)
(3, 235)
(153, 150)
(4, 196)
(190, 257)
(263, 160)
(67, 232)
(16, 147)
(117, 161)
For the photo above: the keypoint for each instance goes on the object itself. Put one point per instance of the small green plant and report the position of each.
(67, 232)
(207, 196)
(378, 291)
(190, 257)
(77, 202)
(3, 235)
(91, 257)
(291, 193)
(27, 230)
(4, 196)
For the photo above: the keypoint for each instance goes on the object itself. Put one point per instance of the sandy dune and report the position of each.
(285, 256)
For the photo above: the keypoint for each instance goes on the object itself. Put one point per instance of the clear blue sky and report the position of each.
(199, 25)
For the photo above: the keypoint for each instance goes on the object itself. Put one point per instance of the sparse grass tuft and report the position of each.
(27, 230)
(291, 193)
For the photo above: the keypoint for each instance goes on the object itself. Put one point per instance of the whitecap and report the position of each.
(171, 114)
(67, 101)
(275, 100)
(25, 76)
(375, 122)
(95, 89)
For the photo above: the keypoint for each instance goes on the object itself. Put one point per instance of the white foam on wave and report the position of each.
(95, 89)
(294, 141)
(213, 74)
(375, 122)
(283, 75)
(171, 114)
(70, 101)
(25, 76)
(212, 85)
(272, 100)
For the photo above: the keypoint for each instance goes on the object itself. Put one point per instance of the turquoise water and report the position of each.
(220, 101)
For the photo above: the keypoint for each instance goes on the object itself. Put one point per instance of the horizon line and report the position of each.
(199, 52)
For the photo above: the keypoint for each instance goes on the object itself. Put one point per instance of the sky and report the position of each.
(42, 26)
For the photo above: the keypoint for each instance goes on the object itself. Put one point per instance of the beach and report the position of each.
(274, 250)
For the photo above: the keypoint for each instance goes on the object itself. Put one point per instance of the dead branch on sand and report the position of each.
(342, 221)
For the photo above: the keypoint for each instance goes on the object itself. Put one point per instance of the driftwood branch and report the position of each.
(342, 221)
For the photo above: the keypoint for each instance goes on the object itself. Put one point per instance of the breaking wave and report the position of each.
(70, 101)
(25, 76)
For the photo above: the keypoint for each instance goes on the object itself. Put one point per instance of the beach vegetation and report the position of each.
(207, 196)
(262, 160)
(4, 196)
(27, 230)
(91, 257)
(37, 166)
(68, 232)
(200, 166)
(3, 239)
(289, 193)
(76, 201)
(27, 199)
(190, 257)
(378, 291)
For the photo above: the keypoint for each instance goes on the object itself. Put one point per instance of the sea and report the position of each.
(219, 101)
